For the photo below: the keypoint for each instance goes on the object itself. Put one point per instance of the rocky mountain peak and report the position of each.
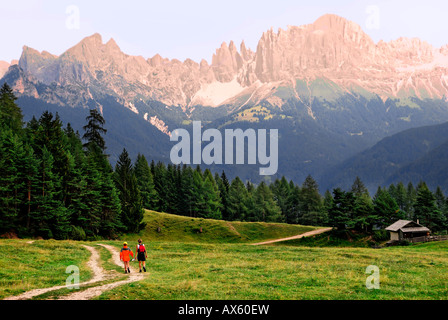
(331, 47)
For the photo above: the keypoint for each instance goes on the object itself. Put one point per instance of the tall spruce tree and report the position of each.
(129, 195)
(426, 209)
(223, 187)
(363, 213)
(386, 208)
(211, 198)
(11, 184)
(280, 189)
(94, 130)
(187, 191)
(11, 116)
(145, 182)
(266, 209)
(51, 218)
(341, 212)
(293, 207)
(238, 198)
(311, 207)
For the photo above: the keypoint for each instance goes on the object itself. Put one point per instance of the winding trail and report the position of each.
(96, 291)
(306, 234)
(99, 274)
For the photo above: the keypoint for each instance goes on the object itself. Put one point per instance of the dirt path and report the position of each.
(306, 234)
(96, 291)
(99, 274)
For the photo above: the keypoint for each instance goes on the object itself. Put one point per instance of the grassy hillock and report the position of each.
(187, 229)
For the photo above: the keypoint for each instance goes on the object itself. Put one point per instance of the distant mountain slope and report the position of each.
(431, 168)
(124, 128)
(411, 155)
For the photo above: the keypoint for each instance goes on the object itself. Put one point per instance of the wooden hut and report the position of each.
(406, 229)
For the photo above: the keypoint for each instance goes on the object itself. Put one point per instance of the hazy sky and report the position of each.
(195, 28)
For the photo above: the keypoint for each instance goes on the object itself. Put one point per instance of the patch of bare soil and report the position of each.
(306, 234)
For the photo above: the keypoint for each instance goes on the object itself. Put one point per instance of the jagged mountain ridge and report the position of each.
(332, 48)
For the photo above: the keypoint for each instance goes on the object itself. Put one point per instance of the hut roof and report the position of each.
(406, 226)
(418, 229)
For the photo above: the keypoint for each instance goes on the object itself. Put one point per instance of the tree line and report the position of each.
(56, 184)
(192, 192)
(52, 185)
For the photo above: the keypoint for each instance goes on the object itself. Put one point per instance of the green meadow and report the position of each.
(185, 264)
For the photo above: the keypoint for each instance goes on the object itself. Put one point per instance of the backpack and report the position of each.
(141, 248)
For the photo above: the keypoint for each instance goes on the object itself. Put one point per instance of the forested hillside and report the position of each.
(58, 183)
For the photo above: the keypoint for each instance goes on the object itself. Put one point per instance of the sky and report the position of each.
(196, 28)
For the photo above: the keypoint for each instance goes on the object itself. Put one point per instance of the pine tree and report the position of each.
(386, 208)
(293, 207)
(212, 201)
(411, 196)
(129, 195)
(11, 184)
(341, 211)
(145, 182)
(29, 166)
(94, 130)
(281, 190)
(358, 188)
(426, 209)
(10, 114)
(110, 212)
(440, 199)
(311, 202)
(363, 214)
(223, 187)
(50, 219)
(266, 209)
(172, 189)
(238, 196)
(187, 191)
(400, 196)
(160, 181)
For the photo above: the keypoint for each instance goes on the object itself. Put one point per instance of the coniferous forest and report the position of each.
(58, 183)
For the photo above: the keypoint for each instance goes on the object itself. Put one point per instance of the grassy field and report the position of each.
(231, 271)
(184, 265)
(42, 264)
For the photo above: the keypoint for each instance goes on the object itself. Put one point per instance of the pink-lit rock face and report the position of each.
(3, 67)
(332, 48)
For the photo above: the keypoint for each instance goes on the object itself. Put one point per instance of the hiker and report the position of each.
(141, 255)
(125, 254)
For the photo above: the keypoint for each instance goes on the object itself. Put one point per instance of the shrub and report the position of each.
(77, 233)
(380, 235)
(404, 242)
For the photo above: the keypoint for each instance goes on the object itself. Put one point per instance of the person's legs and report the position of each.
(126, 267)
